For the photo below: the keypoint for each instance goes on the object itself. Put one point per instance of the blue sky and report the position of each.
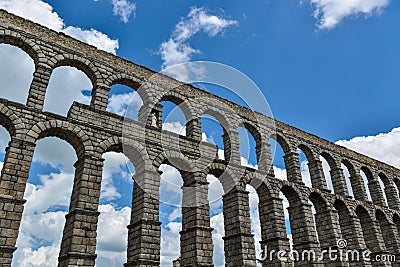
(327, 67)
(342, 82)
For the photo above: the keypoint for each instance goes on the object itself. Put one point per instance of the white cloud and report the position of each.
(45, 210)
(53, 190)
(245, 162)
(177, 49)
(117, 220)
(111, 245)
(107, 259)
(124, 9)
(175, 127)
(46, 256)
(43, 220)
(384, 146)
(170, 243)
(285, 203)
(203, 137)
(116, 165)
(365, 181)
(382, 185)
(217, 222)
(72, 90)
(47, 202)
(4, 140)
(255, 219)
(326, 169)
(93, 37)
(42, 13)
(330, 13)
(220, 153)
(175, 227)
(16, 70)
(170, 186)
(55, 152)
(35, 10)
(305, 173)
(175, 214)
(41, 225)
(41, 228)
(348, 182)
(280, 173)
(215, 192)
(127, 104)
(174, 52)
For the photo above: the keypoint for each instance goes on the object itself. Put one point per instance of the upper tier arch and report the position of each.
(27, 45)
(79, 62)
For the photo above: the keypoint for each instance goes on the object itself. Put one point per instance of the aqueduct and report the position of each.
(92, 131)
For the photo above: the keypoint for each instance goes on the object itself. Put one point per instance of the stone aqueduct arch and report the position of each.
(92, 131)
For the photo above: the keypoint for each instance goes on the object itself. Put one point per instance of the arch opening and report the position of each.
(170, 213)
(288, 221)
(327, 172)
(173, 118)
(215, 193)
(17, 69)
(304, 167)
(346, 174)
(214, 133)
(4, 140)
(48, 193)
(124, 100)
(248, 148)
(278, 162)
(383, 180)
(66, 85)
(115, 210)
(255, 222)
(366, 181)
